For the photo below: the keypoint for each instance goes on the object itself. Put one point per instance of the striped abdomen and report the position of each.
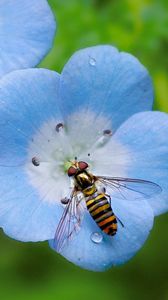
(101, 211)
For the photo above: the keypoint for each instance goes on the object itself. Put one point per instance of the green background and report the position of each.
(33, 271)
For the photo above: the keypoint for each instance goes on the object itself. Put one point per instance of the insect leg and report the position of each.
(108, 196)
(120, 221)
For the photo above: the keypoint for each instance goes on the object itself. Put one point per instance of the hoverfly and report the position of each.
(98, 202)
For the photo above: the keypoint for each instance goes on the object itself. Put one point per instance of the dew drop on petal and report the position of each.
(96, 237)
(92, 61)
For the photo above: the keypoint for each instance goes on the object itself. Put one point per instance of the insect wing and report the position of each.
(69, 222)
(122, 187)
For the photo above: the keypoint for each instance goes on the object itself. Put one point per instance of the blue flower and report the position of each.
(27, 30)
(97, 110)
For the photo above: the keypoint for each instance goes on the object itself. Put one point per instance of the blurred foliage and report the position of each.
(32, 270)
(139, 27)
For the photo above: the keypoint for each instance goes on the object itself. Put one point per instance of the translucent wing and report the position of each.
(122, 187)
(70, 221)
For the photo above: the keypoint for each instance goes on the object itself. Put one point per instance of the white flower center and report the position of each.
(84, 136)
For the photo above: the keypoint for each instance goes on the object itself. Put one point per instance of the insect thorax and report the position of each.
(84, 180)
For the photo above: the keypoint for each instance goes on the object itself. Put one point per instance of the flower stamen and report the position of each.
(35, 161)
(59, 126)
(107, 132)
(65, 200)
(103, 140)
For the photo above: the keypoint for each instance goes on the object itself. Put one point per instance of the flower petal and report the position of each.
(28, 99)
(23, 214)
(26, 33)
(103, 80)
(145, 135)
(138, 220)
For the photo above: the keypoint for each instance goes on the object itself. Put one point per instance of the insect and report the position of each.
(92, 189)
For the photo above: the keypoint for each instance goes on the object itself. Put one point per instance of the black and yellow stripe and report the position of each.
(101, 211)
(97, 203)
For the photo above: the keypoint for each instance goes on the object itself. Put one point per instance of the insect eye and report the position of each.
(72, 171)
(82, 165)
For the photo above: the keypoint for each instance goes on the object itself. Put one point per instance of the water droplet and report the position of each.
(92, 61)
(96, 237)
